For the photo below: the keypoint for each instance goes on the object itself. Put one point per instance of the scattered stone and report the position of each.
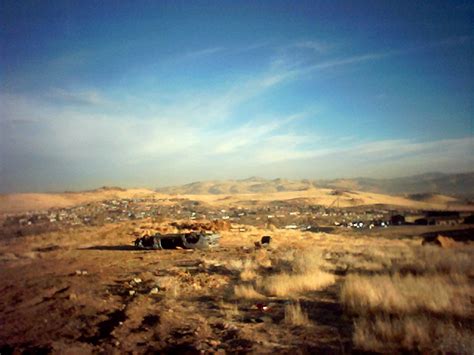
(214, 342)
(266, 239)
(137, 280)
(131, 292)
(154, 291)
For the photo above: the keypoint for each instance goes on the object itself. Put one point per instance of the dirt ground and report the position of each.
(87, 290)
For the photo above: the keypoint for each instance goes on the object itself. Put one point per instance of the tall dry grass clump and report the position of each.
(383, 334)
(434, 260)
(302, 273)
(395, 294)
(292, 285)
(229, 310)
(294, 315)
(421, 303)
(248, 272)
(247, 292)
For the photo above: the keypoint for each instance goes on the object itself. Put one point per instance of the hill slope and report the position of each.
(436, 183)
(21, 202)
(432, 183)
(246, 186)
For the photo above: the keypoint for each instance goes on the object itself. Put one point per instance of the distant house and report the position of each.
(440, 218)
(469, 219)
(397, 220)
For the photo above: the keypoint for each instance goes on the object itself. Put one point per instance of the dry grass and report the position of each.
(294, 315)
(262, 258)
(230, 311)
(235, 265)
(431, 259)
(395, 294)
(247, 292)
(249, 271)
(308, 261)
(288, 285)
(299, 272)
(421, 334)
(421, 302)
(248, 275)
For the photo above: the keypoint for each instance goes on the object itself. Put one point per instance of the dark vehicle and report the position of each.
(193, 240)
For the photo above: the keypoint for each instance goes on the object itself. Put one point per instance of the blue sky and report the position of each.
(146, 93)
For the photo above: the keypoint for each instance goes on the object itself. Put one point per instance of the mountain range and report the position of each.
(459, 184)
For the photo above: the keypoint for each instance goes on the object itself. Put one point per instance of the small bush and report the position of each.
(294, 315)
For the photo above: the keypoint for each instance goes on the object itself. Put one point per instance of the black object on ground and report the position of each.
(266, 239)
(191, 240)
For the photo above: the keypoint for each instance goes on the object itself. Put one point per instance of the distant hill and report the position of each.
(228, 187)
(427, 191)
(21, 202)
(461, 184)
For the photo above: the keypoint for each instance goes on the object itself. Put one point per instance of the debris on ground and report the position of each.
(192, 240)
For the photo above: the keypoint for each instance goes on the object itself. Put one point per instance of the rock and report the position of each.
(154, 291)
(214, 342)
(137, 280)
(131, 292)
(266, 239)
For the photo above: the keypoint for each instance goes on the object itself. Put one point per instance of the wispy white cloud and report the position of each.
(293, 68)
(203, 52)
(86, 97)
(251, 135)
(317, 46)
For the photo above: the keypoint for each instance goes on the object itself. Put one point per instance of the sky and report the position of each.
(157, 93)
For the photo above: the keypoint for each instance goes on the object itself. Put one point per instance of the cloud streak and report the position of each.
(203, 52)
